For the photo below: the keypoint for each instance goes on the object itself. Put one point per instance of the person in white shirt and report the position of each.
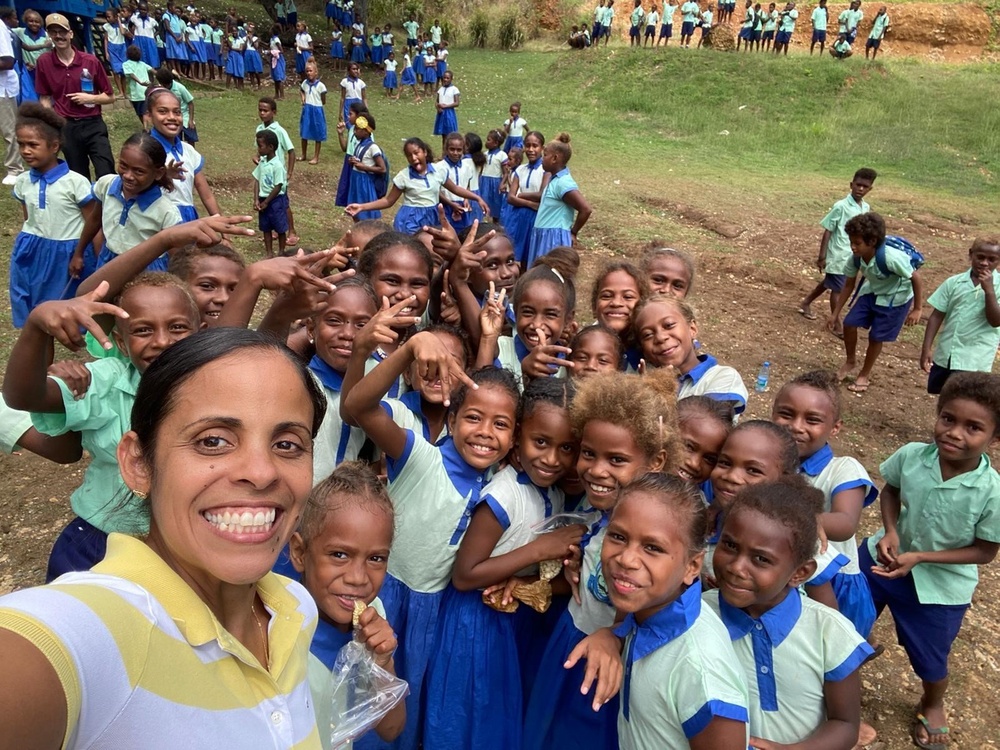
(9, 89)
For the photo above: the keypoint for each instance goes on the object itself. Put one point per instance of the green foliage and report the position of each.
(510, 34)
(450, 31)
(479, 29)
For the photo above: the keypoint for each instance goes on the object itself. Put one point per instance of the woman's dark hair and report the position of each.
(790, 501)
(380, 246)
(557, 392)
(45, 120)
(155, 397)
(155, 152)
(474, 148)
(489, 376)
(419, 143)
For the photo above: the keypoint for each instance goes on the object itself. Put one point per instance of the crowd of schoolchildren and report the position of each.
(761, 29)
(574, 540)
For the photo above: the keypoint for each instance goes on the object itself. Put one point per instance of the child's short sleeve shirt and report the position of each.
(787, 656)
(494, 164)
(352, 87)
(690, 12)
(788, 20)
(938, 514)
(303, 41)
(314, 92)
(13, 424)
(668, 14)
(680, 673)
(879, 26)
(336, 440)
(127, 222)
(891, 289)
(839, 259)
(53, 202)
(390, 66)
(141, 71)
(553, 211)
(284, 141)
(719, 382)
(411, 29)
(421, 190)
(268, 173)
(653, 18)
(819, 19)
(595, 610)
(446, 95)
(966, 340)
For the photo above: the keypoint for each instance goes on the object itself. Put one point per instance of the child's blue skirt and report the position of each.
(300, 61)
(519, 223)
(234, 65)
(217, 54)
(854, 600)
(475, 213)
(430, 74)
(293, 19)
(278, 71)
(473, 687)
(376, 53)
(175, 50)
(512, 142)
(442, 68)
(337, 50)
(347, 107)
(409, 77)
(116, 55)
(344, 183)
(414, 618)
(106, 256)
(312, 123)
(150, 52)
(362, 190)
(204, 51)
(543, 240)
(252, 61)
(410, 219)
(358, 54)
(558, 715)
(489, 188)
(418, 65)
(331, 10)
(446, 122)
(532, 629)
(188, 213)
(386, 49)
(389, 81)
(39, 272)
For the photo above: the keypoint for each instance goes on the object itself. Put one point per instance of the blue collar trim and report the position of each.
(705, 363)
(47, 178)
(144, 200)
(329, 377)
(814, 465)
(467, 481)
(174, 147)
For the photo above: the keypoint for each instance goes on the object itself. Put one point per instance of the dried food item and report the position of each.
(537, 595)
(359, 607)
(549, 569)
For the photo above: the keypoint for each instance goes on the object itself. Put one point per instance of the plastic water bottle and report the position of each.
(87, 83)
(762, 377)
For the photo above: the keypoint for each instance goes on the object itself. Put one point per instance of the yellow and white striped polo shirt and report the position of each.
(144, 662)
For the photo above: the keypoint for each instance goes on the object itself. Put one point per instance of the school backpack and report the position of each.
(899, 243)
(380, 181)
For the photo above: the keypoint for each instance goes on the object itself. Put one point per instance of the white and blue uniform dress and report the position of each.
(206, 52)
(175, 50)
(182, 195)
(430, 66)
(302, 52)
(831, 475)
(442, 63)
(39, 261)
(787, 656)
(489, 181)
(344, 181)
(555, 217)
(406, 411)
(476, 662)
(128, 221)
(352, 93)
(519, 221)
(235, 64)
(557, 715)
(409, 78)
(446, 120)
(418, 63)
(680, 673)
(362, 185)
(116, 46)
(434, 492)
(718, 382)
(336, 440)
(358, 49)
(390, 81)
(337, 44)
(278, 72)
(251, 57)
(144, 37)
(312, 121)
(376, 49)
(421, 195)
(457, 174)
(515, 133)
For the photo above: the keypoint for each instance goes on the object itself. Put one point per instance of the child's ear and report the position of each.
(311, 329)
(119, 340)
(803, 573)
(297, 552)
(658, 461)
(836, 427)
(692, 570)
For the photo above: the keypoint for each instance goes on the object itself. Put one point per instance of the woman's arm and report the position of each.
(32, 696)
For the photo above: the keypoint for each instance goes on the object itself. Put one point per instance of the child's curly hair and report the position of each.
(870, 227)
(644, 405)
(979, 387)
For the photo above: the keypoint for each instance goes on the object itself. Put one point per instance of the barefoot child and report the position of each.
(941, 519)
(967, 316)
(270, 199)
(312, 123)
(891, 295)
(562, 211)
(835, 247)
(267, 111)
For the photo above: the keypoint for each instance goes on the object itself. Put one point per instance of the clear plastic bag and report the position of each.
(559, 520)
(363, 693)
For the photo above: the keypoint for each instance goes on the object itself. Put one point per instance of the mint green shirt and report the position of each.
(894, 288)
(839, 259)
(690, 12)
(284, 141)
(13, 425)
(938, 515)
(819, 17)
(142, 72)
(668, 14)
(772, 21)
(101, 417)
(879, 26)
(966, 340)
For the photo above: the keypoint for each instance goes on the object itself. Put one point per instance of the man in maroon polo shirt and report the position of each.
(58, 77)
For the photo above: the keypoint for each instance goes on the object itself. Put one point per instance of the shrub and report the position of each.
(510, 35)
(479, 29)
(449, 31)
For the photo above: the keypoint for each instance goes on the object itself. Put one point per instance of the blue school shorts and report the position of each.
(885, 322)
(852, 35)
(783, 37)
(650, 32)
(666, 30)
(834, 281)
(634, 32)
(745, 33)
(925, 631)
(769, 35)
(687, 28)
(819, 36)
(274, 218)
(873, 43)
(755, 37)
(938, 376)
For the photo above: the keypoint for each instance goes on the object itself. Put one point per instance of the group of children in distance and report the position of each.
(576, 544)
(760, 28)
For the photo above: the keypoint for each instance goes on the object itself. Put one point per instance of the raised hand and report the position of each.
(542, 360)
(491, 317)
(63, 319)
(384, 325)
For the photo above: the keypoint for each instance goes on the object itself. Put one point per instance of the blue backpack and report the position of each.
(899, 243)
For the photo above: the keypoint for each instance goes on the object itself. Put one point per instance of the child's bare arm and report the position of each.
(930, 332)
(918, 299)
(575, 200)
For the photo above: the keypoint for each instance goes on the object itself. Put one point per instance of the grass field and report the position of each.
(733, 158)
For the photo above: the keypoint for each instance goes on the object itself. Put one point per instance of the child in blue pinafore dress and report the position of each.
(312, 122)
(352, 89)
(276, 62)
(563, 210)
(336, 44)
(492, 174)
(114, 47)
(448, 99)
(303, 48)
(529, 178)
(390, 82)
(366, 162)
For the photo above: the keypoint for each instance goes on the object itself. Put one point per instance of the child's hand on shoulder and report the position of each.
(74, 374)
(377, 635)
(383, 327)
(64, 319)
(602, 651)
